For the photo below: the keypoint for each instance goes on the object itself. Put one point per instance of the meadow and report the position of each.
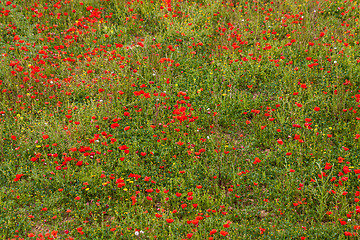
(176, 119)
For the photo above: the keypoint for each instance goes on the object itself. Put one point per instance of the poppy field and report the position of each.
(179, 119)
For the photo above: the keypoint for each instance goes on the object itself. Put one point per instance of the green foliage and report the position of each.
(179, 119)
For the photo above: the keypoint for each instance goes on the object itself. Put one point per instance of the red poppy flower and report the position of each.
(224, 233)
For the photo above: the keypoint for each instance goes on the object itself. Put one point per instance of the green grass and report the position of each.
(179, 119)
